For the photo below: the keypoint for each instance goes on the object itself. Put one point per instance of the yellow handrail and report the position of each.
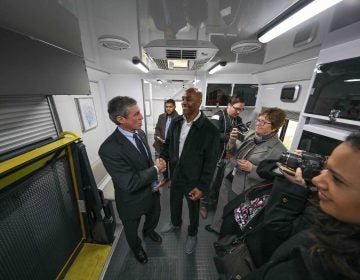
(22, 165)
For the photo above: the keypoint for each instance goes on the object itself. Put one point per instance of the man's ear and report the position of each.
(120, 119)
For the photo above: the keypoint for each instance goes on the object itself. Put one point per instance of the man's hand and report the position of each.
(162, 183)
(233, 134)
(160, 164)
(195, 194)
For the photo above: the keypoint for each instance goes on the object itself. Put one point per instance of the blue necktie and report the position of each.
(140, 146)
(168, 121)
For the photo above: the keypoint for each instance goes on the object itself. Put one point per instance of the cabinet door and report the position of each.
(336, 90)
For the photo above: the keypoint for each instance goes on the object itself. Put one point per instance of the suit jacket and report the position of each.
(130, 173)
(270, 149)
(198, 159)
(160, 129)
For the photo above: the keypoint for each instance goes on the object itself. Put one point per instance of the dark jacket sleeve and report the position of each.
(164, 152)
(211, 153)
(288, 210)
(218, 121)
(293, 261)
(158, 127)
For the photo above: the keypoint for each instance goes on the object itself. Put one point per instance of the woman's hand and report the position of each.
(244, 165)
(295, 178)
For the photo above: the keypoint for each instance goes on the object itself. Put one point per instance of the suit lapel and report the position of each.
(128, 148)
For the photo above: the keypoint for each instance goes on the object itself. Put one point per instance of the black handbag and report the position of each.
(233, 257)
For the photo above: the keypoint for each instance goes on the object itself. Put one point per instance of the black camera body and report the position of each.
(311, 164)
(242, 130)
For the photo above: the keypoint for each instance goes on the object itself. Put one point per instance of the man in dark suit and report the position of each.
(127, 158)
(163, 125)
(191, 148)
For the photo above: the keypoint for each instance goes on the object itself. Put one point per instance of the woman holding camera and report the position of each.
(240, 172)
(329, 246)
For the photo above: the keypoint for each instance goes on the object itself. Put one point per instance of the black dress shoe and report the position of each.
(154, 236)
(210, 229)
(141, 256)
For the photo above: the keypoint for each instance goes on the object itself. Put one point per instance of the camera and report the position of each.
(311, 164)
(242, 130)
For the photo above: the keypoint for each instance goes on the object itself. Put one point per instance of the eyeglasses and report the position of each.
(237, 109)
(262, 122)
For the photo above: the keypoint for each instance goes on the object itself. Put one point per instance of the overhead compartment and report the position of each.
(42, 56)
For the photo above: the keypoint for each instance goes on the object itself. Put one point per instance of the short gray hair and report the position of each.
(118, 106)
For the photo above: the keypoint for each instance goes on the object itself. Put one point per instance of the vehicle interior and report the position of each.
(61, 58)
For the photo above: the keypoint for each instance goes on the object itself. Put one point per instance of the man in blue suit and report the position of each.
(127, 158)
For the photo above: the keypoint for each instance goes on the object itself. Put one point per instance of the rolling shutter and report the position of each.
(25, 120)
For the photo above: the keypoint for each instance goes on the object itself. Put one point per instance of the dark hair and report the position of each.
(118, 106)
(337, 243)
(275, 115)
(172, 101)
(354, 140)
(236, 99)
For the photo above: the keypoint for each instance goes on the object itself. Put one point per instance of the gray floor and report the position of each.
(168, 259)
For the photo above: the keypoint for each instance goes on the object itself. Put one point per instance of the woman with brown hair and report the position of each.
(240, 172)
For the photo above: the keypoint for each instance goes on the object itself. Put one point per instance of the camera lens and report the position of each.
(290, 160)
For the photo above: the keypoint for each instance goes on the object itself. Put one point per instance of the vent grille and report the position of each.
(243, 48)
(180, 54)
(161, 63)
(114, 42)
(199, 63)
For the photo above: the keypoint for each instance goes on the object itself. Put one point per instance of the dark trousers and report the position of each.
(176, 199)
(151, 220)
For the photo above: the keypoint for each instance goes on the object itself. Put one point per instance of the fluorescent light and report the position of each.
(178, 63)
(217, 67)
(313, 8)
(139, 64)
(352, 80)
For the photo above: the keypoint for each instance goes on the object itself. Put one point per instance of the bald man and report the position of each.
(191, 151)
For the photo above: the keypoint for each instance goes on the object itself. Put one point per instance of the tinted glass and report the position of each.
(247, 92)
(316, 143)
(337, 87)
(218, 94)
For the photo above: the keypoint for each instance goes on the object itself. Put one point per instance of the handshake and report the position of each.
(160, 164)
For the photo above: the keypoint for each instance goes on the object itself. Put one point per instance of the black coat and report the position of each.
(292, 261)
(196, 165)
(286, 219)
(130, 173)
(285, 214)
(277, 236)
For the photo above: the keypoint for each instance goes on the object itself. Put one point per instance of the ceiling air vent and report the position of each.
(113, 42)
(245, 47)
(180, 54)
